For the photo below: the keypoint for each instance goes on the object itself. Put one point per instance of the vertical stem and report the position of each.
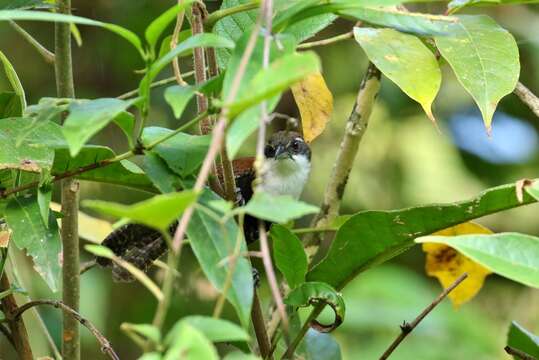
(260, 327)
(70, 196)
(16, 326)
(168, 286)
(200, 66)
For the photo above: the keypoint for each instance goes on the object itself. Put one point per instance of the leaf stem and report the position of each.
(407, 328)
(527, 97)
(220, 14)
(46, 54)
(153, 85)
(331, 40)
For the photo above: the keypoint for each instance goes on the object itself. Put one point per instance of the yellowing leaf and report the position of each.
(447, 264)
(5, 235)
(315, 103)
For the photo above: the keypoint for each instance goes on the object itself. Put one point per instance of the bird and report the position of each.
(284, 171)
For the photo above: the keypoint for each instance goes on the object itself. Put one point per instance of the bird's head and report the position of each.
(286, 151)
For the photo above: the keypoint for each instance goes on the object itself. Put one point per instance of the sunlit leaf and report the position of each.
(41, 242)
(289, 255)
(192, 341)
(484, 57)
(148, 331)
(90, 228)
(216, 330)
(447, 264)
(513, 255)
(13, 80)
(405, 60)
(279, 209)
(371, 237)
(315, 103)
(523, 340)
(86, 118)
(157, 212)
(178, 97)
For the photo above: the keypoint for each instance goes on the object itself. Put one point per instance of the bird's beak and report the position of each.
(281, 152)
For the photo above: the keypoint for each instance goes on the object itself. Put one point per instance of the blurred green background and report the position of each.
(402, 161)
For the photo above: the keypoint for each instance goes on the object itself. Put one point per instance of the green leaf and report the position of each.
(405, 60)
(371, 237)
(100, 250)
(10, 105)
(523, 340)
(21, 144)
(191, 341)
(148, 331)
(157, 212)
(238, 355)
(212, 242)
(44, 195)
(125, 172)
(183, 153)
(289, 255)
(128, 35)
(513, 255)
(485, 59)
(204, 40)
(320, 346)
(533, 189)
(311, 293)
(271, 81)
(165, 44)
(13, 80)
(156, 27)
(86, 118)
(215, 330)
(160, 174)
(178, 97)
(126, 122)
(24, 4)
(41, 242)
(151, 356)
(279, 209)
(456, 5)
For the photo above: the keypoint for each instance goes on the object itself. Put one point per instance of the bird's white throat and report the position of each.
(285, 176)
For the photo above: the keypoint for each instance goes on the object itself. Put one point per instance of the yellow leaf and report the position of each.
(5, 235)
(447, 264)
(90, 228)
(315, 103)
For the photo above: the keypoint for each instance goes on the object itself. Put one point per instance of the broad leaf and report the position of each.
(157, 212)
(318, 293)
(24, 4)
(10, 105)
(125, 172)
(86, 118)
(279, 209)
(190, 340)
(178, 97)
(513, 255)
(289, 255)
(128, 35)
(41, 241)
(160, 174)
(321, 346)
(276, 78)
(213, 242)
(216, 330)
(183, 153)
(405, 60)
(13, 80)
(157, 26)
(484, 57)
(315, 103)
(238, 355)
(21, 144)
(148, 331)
(523, 340)
(372, 237)
(126, 122)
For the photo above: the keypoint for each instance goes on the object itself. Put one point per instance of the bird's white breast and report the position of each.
(285, 176)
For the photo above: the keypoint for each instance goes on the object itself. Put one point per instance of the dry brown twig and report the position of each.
(518, 353)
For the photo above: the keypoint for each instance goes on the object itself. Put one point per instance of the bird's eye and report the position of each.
(295, 145)
(269, 151)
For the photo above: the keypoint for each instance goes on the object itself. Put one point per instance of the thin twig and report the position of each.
(527, 97)
(155, 84)
(106, 347)
(407, 328)
(518, 353)
(220, 14)
(4, 330)
(199, 62)
(306, 325)
(259, 326)
(331, 40)
(88, 265)
(46, 54)
(168, 287)
(174, 43)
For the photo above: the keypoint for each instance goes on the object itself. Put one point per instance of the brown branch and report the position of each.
(355, 129)
(518, 353)
(4, 330)
(527, 97)
(407, 328)
(174, 43)
(260, 328)
(106, 347)
(199, 60)
(18, 331)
